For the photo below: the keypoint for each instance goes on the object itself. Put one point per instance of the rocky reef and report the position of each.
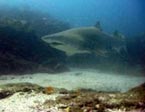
(136, 48)
(21, 49)
(40, 22)
(23, 52)
(81, 100)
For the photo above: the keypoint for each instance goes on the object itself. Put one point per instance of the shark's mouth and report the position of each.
(56, 43)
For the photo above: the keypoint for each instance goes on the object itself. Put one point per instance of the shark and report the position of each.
(83, 40)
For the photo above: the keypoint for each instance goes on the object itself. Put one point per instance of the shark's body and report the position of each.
(82, 40)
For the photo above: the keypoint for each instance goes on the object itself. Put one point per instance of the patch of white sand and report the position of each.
(88, 79)
(25, 103)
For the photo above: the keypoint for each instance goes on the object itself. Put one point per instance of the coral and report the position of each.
(49, 90)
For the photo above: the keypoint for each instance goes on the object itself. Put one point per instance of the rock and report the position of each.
(89, 101)
(93, 101)
(23, 52)
(10, 89)
(63, 91)
(5, 94)
(38, 21)
(136, 48)
(139, 91)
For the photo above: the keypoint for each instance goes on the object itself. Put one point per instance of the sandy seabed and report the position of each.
(88, 79)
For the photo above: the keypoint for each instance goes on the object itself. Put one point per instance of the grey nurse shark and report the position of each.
(84, 40)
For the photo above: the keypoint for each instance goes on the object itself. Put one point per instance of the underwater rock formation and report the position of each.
(91, 100)
(81, 100)
(41, 23)
(136, 51)
(24, 52)
(10, 89)
(89, 46)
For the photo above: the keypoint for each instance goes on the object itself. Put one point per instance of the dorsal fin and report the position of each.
(98, 25)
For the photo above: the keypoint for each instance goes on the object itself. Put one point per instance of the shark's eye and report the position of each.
(56, 43)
